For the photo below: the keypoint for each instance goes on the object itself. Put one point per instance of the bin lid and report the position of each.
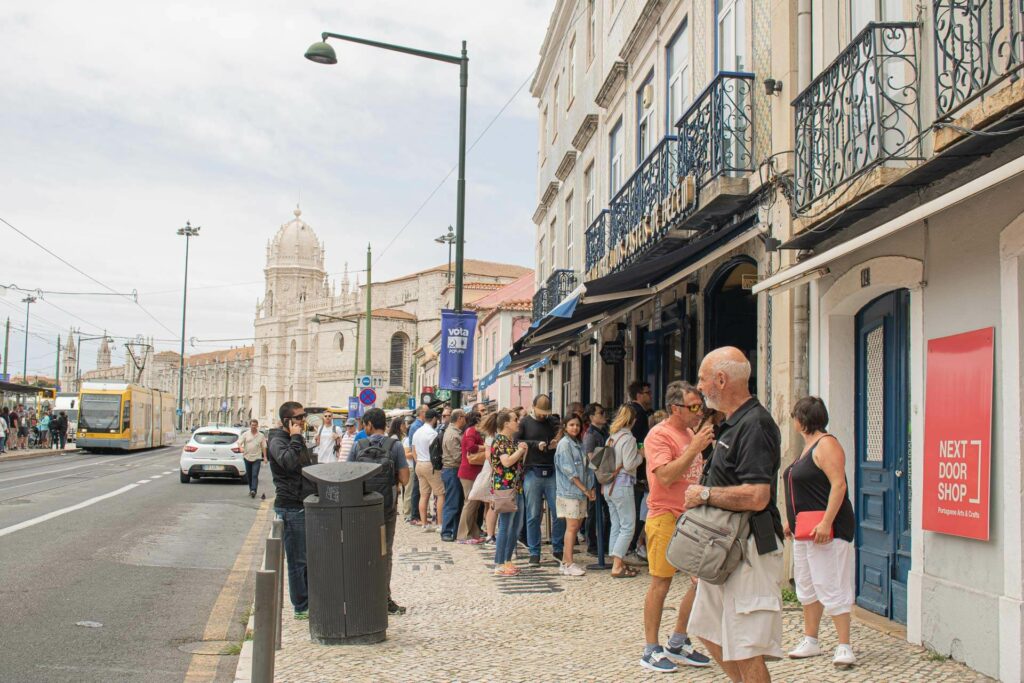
(340, 483)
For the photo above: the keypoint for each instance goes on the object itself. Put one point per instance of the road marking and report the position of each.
(169, 472)
(63, 511)
(156, 476)
(142, 481)
(203, 668)
(45, 472)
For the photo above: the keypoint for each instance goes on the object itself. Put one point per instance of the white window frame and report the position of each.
(553, 243)
(590, 186)
(571, 74)
(677, 62)
(554, 108)
(542, 260)
(615, 169)
(731, 25)
(645, 133)
(570, 233)
(591, 30)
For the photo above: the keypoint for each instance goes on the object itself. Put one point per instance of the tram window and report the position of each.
(100, 412)
(126, 418)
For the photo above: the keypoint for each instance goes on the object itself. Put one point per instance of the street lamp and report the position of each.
(189, 232)
(78, 357)
(449, 239)
(28, 301)
(322, 53)
(326, 318)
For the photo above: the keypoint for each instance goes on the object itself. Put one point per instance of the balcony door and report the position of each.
(732, 35)
(732, 42)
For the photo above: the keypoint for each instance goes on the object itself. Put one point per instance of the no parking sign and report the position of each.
(367, 397)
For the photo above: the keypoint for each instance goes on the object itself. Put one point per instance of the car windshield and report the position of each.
(100, 412)
(214, 438)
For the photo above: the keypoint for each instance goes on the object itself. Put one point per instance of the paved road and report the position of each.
(118, 540)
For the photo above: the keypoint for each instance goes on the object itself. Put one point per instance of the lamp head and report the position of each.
(316, 319)
(321, 53)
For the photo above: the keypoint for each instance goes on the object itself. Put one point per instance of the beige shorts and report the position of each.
(744, 614)
(571, 508)
(430, 481)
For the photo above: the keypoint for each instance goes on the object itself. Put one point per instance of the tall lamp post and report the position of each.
(322, 53)
(189, 232)
(28, 301)
(449, 239)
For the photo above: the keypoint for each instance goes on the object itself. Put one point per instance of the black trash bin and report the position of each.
(345, 555)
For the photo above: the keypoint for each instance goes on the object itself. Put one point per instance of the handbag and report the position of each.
(505, 500)
(602, 461)
(481, 490)
(806, 521)
(708, 543)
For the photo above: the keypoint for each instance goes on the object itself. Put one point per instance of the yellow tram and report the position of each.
(124, 417)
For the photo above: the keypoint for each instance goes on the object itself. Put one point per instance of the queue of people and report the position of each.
(21, 428)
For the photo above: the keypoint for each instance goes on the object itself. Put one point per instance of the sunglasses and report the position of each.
(695, 408)
(300, 416)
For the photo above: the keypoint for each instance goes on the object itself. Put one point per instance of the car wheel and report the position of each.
(184, 477)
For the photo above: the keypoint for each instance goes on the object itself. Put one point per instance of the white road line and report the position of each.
(45, 472)
(63, 511)
(142, 481)
(156, 476)
(169, 472)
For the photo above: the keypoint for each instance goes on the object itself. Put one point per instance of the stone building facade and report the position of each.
(310, 332)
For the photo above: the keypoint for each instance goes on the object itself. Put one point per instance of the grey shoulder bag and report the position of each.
(709, 543)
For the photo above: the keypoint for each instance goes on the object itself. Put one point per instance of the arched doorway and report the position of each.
(730, 310)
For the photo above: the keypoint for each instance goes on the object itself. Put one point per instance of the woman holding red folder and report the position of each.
(821, 523)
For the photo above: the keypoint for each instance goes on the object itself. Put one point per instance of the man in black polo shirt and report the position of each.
(740, 621)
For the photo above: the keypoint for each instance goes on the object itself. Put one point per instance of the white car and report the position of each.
(213, 452)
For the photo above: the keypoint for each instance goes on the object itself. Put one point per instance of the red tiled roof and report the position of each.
(517, 293)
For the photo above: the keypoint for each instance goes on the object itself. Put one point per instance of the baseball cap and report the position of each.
(351, 422)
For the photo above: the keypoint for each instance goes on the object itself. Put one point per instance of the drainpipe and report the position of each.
(801, 295)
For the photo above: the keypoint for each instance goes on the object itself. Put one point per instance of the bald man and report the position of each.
(740, 621)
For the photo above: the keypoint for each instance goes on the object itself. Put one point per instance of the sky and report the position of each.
(120, 121)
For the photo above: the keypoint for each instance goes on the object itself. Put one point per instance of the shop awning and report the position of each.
(492, 376)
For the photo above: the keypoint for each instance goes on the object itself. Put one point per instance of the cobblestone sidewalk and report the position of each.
(464, 624)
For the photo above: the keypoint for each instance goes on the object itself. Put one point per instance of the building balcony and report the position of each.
(979, 50)
(858, 120)
(596, 239)
(559, 285)
(716, 134)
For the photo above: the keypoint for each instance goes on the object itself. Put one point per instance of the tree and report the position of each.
(396, 400)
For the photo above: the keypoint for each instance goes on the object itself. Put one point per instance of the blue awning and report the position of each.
(492, 376)
(539, 364)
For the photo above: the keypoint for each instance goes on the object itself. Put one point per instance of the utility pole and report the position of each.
(189, 232)
(28, 301)
(369, 310)
(7, 340)
(56, 384)
(355, 367)
(225, 409)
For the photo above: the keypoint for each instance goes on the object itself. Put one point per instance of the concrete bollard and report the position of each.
(264, 631)
(277, 531)
(272, 562)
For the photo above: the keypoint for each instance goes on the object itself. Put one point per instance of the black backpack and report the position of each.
(436, 451)
(379, 453)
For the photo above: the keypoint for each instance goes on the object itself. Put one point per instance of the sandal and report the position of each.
(627, 573)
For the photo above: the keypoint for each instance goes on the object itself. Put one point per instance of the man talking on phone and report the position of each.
(288, 455)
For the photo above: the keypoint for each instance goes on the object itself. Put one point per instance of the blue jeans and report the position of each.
(622, 510)
(452, 502)
(535, 489)
(295, 552)
(252, 473)
(3, 444)
(509, 524)
(414, 503)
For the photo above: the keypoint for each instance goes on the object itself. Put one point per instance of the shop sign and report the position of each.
(613, 352)
(958, 434)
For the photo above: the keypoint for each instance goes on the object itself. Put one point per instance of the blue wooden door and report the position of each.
(882, 495)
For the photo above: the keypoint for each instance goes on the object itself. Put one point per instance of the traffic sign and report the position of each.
(412, 403)
(355, 408)
(367, 397)
(364, 381)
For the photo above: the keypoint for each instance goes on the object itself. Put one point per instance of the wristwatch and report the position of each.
(705, 494)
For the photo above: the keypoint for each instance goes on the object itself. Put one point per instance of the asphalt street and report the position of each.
(117, 540)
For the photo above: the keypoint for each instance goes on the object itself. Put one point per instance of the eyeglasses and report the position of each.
(300, 416)
(695, 408)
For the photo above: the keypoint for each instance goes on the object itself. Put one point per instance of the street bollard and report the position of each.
(277, 531)
(263, 632)
(273, 563)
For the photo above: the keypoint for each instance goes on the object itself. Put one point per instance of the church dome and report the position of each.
(296, 243)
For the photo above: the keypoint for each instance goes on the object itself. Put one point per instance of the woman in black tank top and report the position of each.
(822, 559)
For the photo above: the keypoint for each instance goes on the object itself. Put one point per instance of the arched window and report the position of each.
(339, 341)
(263, 401)
(399, 349)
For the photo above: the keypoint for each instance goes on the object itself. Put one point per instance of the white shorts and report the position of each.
(744, 614)
(824, 573)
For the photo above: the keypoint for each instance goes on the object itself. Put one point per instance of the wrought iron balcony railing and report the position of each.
(632, 206)
(596, 239)
(716, 134)
(559, 285)
(860, 112)
(978, 43)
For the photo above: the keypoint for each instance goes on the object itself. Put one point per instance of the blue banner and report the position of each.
(457, 333)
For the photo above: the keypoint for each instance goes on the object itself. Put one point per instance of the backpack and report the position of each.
(436, 451)
(379, 453)
(602, 461)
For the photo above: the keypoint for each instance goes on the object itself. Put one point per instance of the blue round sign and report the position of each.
(367, 397)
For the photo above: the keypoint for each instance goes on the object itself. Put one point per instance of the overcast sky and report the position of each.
(119, 121)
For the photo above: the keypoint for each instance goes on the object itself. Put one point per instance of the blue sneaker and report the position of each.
(658, 661)
(686, 654)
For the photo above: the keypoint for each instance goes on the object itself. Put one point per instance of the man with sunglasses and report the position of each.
(673, 454)
(288, 455)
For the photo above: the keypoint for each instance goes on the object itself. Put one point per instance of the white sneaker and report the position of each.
(844, 657)
(806, 648)
(573, 570)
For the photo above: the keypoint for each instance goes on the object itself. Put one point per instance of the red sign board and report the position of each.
(958, 434)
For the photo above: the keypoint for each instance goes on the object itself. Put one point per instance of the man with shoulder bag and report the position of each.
(738, 616)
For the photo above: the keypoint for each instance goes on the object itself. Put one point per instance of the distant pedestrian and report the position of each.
(539, 431)
(741, 476)
(386, 451)
(673, 454)
(507, 467)
(451, 458)
(3, 430)
(473, 453)
(13, 429)
(619, 492)
(348, 439)
(328, 440)
(429, 478)
(288, 456)
(414, 500)
(823, 545)
(43, 427)
(574, 482)
(254, 451)
(62, 429)
(595, 437)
